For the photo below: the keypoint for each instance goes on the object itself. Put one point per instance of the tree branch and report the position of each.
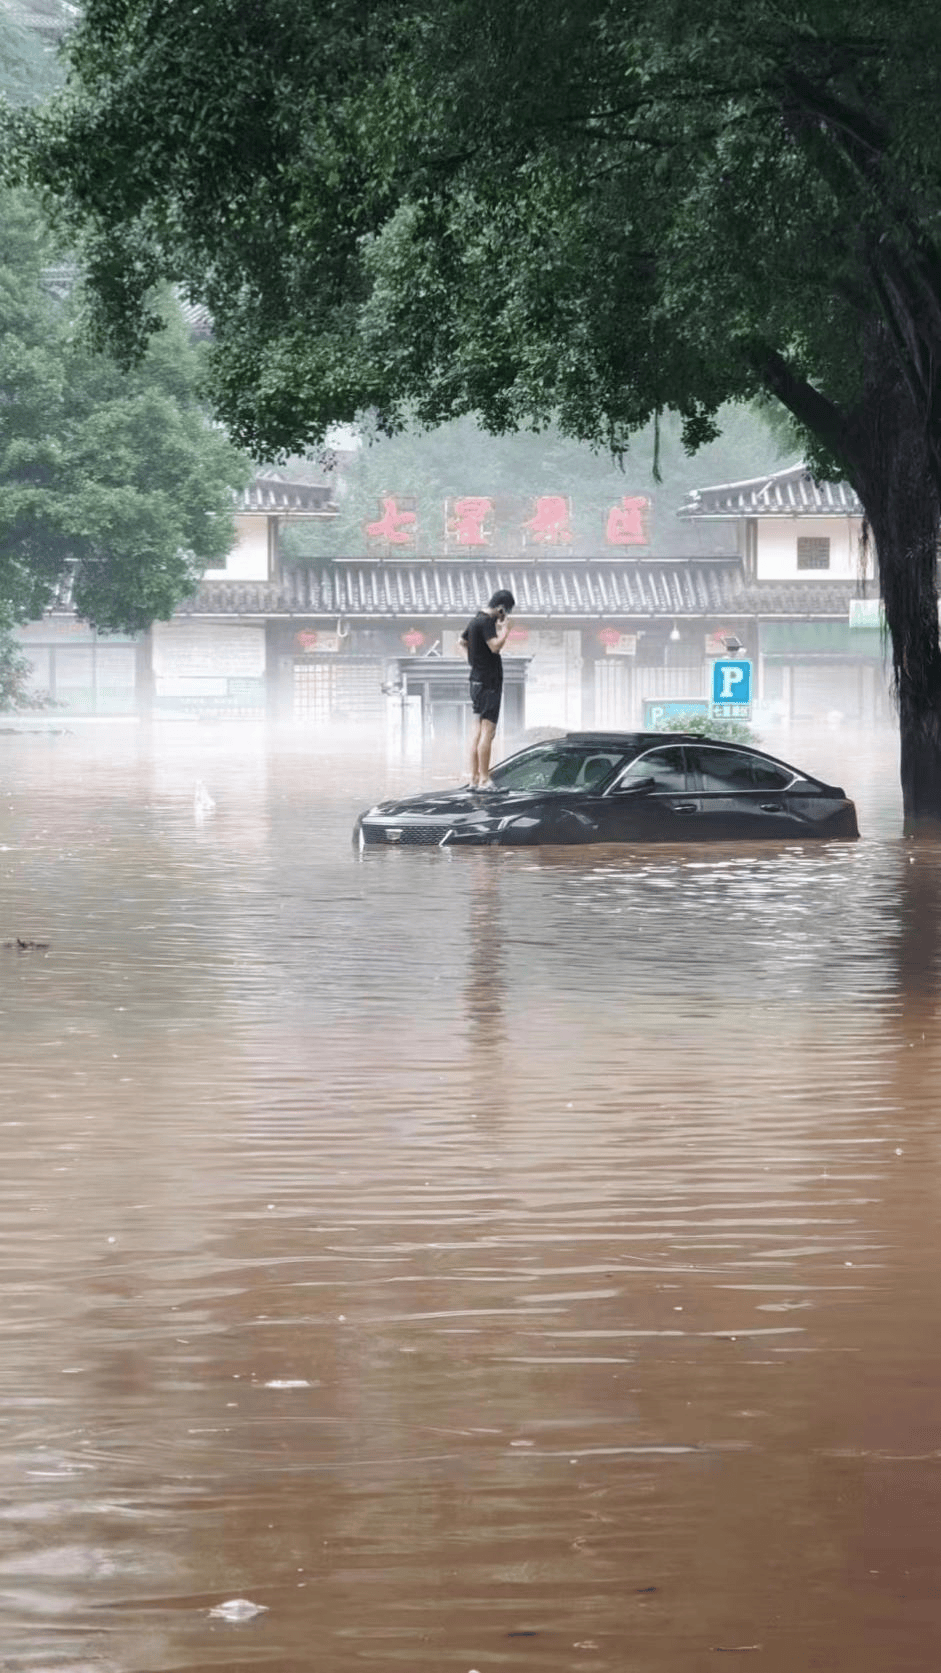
(808, 406)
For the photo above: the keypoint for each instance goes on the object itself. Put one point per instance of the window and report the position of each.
(813, 552)
(732, 771)
(553, 768)
(666, 766)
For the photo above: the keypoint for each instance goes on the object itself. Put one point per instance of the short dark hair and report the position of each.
(502, 600)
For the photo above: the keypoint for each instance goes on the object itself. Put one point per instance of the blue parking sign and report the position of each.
(731, 683)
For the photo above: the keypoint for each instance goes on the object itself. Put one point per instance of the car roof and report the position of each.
(643, 740)
(618, 740)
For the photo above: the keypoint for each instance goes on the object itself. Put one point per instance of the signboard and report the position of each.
(507, 524)
(867, 613)
(715, 641)
(550, 523)
(628, 522)
(622, 644)
(661, 710)
(316, 643)
(397, 522)
(468, 521)
(731, 684)
(184, 650)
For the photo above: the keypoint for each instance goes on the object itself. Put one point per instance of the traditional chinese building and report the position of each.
(198, 663)
(600, 625)
(808, 573)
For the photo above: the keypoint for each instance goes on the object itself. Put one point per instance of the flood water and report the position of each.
(491, 1260)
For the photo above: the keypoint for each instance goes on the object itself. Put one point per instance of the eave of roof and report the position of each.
(271, 495)
(571, 592)
(789, 493)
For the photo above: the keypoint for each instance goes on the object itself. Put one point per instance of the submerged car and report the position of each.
(620, 787)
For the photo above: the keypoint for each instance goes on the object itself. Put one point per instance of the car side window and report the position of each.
(537, 770)
(667, 767)
(595, 769)
(770, 777)
(733, 770)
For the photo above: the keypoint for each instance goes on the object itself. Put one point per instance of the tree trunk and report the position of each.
(894, 463)
(901, 499)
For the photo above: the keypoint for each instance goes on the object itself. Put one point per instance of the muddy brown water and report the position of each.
(491, 1260)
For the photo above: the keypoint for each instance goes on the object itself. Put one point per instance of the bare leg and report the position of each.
(473, 766)
(487, 730)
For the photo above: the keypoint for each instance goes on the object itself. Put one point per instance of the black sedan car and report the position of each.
(620, 787)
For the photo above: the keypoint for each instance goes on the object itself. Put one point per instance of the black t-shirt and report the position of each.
(486, 665)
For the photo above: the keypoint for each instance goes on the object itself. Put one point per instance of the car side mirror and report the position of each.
(636, 787)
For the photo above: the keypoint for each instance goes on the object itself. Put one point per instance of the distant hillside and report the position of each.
(30, 31)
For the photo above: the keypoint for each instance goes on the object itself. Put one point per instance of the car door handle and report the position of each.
(684, 807)
(771, 807)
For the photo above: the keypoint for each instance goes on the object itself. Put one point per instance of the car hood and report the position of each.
(457, 802)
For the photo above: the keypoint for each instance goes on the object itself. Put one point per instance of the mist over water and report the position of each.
(480, 1260)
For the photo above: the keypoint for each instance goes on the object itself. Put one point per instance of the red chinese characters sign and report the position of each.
(550, 523)
(627, 522)
(509, 524)
(469, 521)
(397, 522)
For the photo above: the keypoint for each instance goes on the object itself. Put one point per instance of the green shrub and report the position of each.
(705, 726)
(14, 678)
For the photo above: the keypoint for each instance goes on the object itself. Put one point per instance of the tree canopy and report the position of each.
(589, 212)
(113, 485)
(580, 211)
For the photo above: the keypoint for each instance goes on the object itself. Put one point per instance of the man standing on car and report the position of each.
(483, 639)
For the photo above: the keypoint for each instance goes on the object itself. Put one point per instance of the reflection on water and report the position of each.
(480, 1260)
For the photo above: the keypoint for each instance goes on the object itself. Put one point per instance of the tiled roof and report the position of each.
(555, 592)
(798, 598)
(788, 493)
(60, 279)
(545, 589)
(270, 493)
(196, 316)
(47, 17)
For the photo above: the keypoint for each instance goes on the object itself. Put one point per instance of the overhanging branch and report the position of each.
(808, 406)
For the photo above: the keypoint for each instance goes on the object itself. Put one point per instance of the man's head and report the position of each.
(502, 602)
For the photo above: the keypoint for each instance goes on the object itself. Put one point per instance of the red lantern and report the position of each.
(518, 635)
(413, 638)
(610, 636)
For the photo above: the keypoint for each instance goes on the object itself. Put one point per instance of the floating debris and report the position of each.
(203, 803)
(22, 944)
(238, 1609)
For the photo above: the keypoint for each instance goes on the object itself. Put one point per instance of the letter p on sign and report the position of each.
(731, 682)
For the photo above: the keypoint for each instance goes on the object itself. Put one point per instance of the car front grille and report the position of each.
(405, 836)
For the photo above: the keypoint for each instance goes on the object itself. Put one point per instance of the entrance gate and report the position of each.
(334, 691)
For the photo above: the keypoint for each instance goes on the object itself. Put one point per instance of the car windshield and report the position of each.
(559, 767)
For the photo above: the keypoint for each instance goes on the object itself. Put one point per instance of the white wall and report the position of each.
(777, 548)
(248, 559)
(554, 678)
(199, 659)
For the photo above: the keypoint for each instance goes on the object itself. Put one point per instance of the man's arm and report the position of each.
(500, 635)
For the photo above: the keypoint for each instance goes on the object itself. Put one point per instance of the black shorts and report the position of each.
(485, 700)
